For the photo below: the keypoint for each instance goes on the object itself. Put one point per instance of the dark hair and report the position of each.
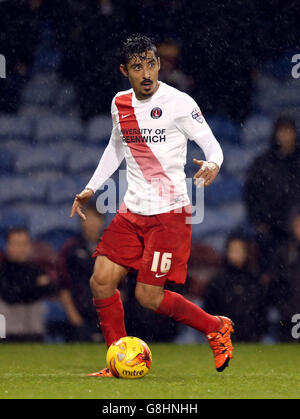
(136, 44)
(285, 120)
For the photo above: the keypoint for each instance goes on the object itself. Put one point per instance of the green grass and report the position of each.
(185, 371)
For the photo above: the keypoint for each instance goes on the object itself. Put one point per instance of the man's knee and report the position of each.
(104, 280)
(101, 286)
(149, 296)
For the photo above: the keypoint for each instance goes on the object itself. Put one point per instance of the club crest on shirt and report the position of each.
(196, 114)
(156, 113)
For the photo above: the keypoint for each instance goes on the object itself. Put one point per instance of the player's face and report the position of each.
(18, 247)
(237, 253)
(142, 72)
(286, 138)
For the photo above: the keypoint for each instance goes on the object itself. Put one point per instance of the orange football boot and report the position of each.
(103, 373)
(220, 343)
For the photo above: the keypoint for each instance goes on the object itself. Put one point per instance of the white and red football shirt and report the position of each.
(152, 135)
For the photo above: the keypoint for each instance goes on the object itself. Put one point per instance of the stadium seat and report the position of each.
(215, 221)
(6, 162)
(279, 66)
(18, 188)
(236, 212)
(274, 96)
(216, 240)
(10, 219)
(237, 160)
(66, 99)
(62, 191)
(84, 159)
(40, 158)
(49, 175)
(47, 56)
(257, 130)
(209, 224)
(41, 89)
(14, 146)
(224, 129)
(15, 127)
(224, 189)
(43, 218)
(83, 178)
(98, 129)
(56, 128)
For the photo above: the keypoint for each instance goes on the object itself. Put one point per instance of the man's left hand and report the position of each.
(208, 172)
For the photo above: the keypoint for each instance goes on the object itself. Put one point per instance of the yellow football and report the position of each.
(129, 357)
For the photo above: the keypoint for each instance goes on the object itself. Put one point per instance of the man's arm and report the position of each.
(73, 315)
(110, 161)
(209, 169)
(193, 125)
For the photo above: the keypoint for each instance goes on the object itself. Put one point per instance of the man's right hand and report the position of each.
(79, 201)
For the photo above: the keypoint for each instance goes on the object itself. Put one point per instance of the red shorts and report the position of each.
(158, 246)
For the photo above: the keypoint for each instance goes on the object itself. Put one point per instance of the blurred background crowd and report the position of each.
(235, 60)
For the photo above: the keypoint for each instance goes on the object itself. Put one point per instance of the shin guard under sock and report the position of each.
(184, 311)
(111, 317)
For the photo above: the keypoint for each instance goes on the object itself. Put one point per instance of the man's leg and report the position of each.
(104, 283)
(217, 329)
(177, 307)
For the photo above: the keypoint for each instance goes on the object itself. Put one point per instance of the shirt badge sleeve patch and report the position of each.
(196, 114)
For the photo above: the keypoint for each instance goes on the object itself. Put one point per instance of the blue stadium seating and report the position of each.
(84, 159)
(218, 221)
(6, 162)
(257, 130)
(41, 90)
(15, 127)
(40, 158)
(98, 129)
(225, 130)
(63, 190)
(275, 90)
(19, 188)
(237, 160)
(15, 146)
(236, 212)
(224, 189)
(44, 218)
(56, 128)
(10, 219)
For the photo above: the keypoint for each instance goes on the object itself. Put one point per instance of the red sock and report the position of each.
(184, 311)
(111, 317)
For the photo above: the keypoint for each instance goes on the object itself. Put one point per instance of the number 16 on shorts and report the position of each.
(162, 261)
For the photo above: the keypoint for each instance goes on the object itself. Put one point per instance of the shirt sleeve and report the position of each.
(193, 125)
(111, 159)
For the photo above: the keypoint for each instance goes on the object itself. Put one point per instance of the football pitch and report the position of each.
(32, 371)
